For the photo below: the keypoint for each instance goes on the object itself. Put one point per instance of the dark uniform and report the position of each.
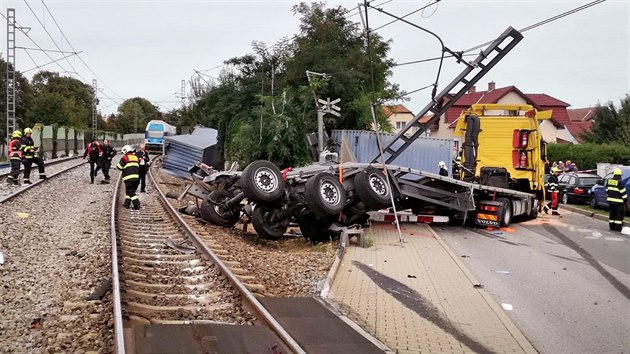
(144, 159)
(616, 199)
(129, 166)
(553, 188)
(106, 160)
(93, 153)
(31, 156)
(15, 157)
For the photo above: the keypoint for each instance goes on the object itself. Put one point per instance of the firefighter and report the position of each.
(30, 156)
(457, 168)
(552, 187)
(93, 153)
(443, 170)
(129, 165)
(106, 160)
(616, 199)
(15, 156)
(145, 161)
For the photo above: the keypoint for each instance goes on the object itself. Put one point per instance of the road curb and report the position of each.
(516, 333)
(592, 214)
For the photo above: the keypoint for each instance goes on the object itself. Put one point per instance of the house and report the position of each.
(399, 115)
(553, 130)
(580, 120)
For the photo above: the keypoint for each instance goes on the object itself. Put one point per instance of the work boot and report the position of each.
(104, 181)
(555, 213)
(136, 207)
(26, 181)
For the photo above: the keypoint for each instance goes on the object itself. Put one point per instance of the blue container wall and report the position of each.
(423, 154)
(179, 158)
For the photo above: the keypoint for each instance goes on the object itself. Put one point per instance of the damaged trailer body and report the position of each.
(329, 195)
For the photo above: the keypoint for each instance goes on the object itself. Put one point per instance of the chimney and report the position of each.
(491, 85)
(473, 89)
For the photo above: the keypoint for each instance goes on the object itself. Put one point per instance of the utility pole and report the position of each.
(94, 113)
(10, 73)
(183, 91)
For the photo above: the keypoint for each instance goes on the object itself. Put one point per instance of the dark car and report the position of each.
(574, 187)
(598, 194)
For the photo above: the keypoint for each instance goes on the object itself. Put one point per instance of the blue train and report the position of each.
(155, 133)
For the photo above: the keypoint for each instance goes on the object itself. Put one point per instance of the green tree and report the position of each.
(23, 98)
(611, 125)
(130, 118)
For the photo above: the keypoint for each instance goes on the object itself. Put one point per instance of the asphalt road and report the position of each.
(567, 279)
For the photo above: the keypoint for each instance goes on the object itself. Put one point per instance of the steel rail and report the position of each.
(49, 163)
(254, 305)
(36, 183)
(119, 335)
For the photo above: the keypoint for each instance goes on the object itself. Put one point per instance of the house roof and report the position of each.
(578, 128)
(581, 114)
(396, 109)
(539, 101)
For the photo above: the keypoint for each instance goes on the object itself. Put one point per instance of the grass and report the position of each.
(596, 211)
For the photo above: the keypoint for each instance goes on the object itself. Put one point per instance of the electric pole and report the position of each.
(183, 91)
(10, 73)
(94, 113)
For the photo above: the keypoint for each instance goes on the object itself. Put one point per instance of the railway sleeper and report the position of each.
(139, 308)
(208, 298)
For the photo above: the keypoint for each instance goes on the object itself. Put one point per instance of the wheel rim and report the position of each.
(265, 180)
(378, 185)
(329, 193)
(565, 199)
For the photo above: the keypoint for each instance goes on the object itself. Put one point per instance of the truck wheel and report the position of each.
(372, 188)
(264, 226)
(533, 214)
(313, 229)
(324, 195)
(262, 182)
(211, 210)
(505, 212)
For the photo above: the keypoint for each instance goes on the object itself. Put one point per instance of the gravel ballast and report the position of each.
(54, 259)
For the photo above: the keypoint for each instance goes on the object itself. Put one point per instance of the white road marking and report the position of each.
(617, 239)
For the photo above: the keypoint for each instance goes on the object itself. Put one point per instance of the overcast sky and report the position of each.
(145, 48)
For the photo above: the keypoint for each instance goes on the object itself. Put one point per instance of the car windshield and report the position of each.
(155, 134)
(588, 181)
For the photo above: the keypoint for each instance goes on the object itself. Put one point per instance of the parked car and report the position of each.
(574, 187)
(597, 194)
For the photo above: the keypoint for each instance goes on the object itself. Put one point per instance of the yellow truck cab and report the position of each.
(502, 146)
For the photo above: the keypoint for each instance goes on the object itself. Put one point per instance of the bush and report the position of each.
(586, 156)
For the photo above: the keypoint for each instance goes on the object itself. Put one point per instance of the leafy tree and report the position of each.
(23, 98)
(130, 118)
(611, 125)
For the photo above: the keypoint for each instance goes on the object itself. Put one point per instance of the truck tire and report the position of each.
(262, 182)
(372, 188)
(265, 228)
(324, 195)
(211, 212)
(533, 213)
(505, 212)
(314, 230)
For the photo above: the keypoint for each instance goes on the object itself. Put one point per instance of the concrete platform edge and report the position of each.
(518, 336)
(331, 273)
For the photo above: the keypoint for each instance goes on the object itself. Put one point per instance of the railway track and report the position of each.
(169, 285)
(14, 191)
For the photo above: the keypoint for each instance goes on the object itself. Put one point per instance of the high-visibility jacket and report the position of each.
(130, 167)
(28, 147)
(615, 193)
(552, 183)
(15, 149)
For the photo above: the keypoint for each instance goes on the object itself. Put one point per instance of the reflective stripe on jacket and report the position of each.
(552, 183)
(15, 149)
(28, 147)
(130, 167)
(615, 194)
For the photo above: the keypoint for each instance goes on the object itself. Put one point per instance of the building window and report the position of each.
(400, 125)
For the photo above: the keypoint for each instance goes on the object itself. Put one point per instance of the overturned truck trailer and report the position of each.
(325, 196)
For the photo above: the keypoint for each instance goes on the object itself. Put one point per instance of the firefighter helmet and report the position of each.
(16, 134)
(617, 172)
(28, 131)
(442, 164)
(127, 149)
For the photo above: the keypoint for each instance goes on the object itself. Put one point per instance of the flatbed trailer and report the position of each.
(325, 196)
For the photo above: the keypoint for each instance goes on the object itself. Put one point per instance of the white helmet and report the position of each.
(127, 149)
(442, 164)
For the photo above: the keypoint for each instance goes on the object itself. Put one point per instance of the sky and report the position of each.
(146, 48)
